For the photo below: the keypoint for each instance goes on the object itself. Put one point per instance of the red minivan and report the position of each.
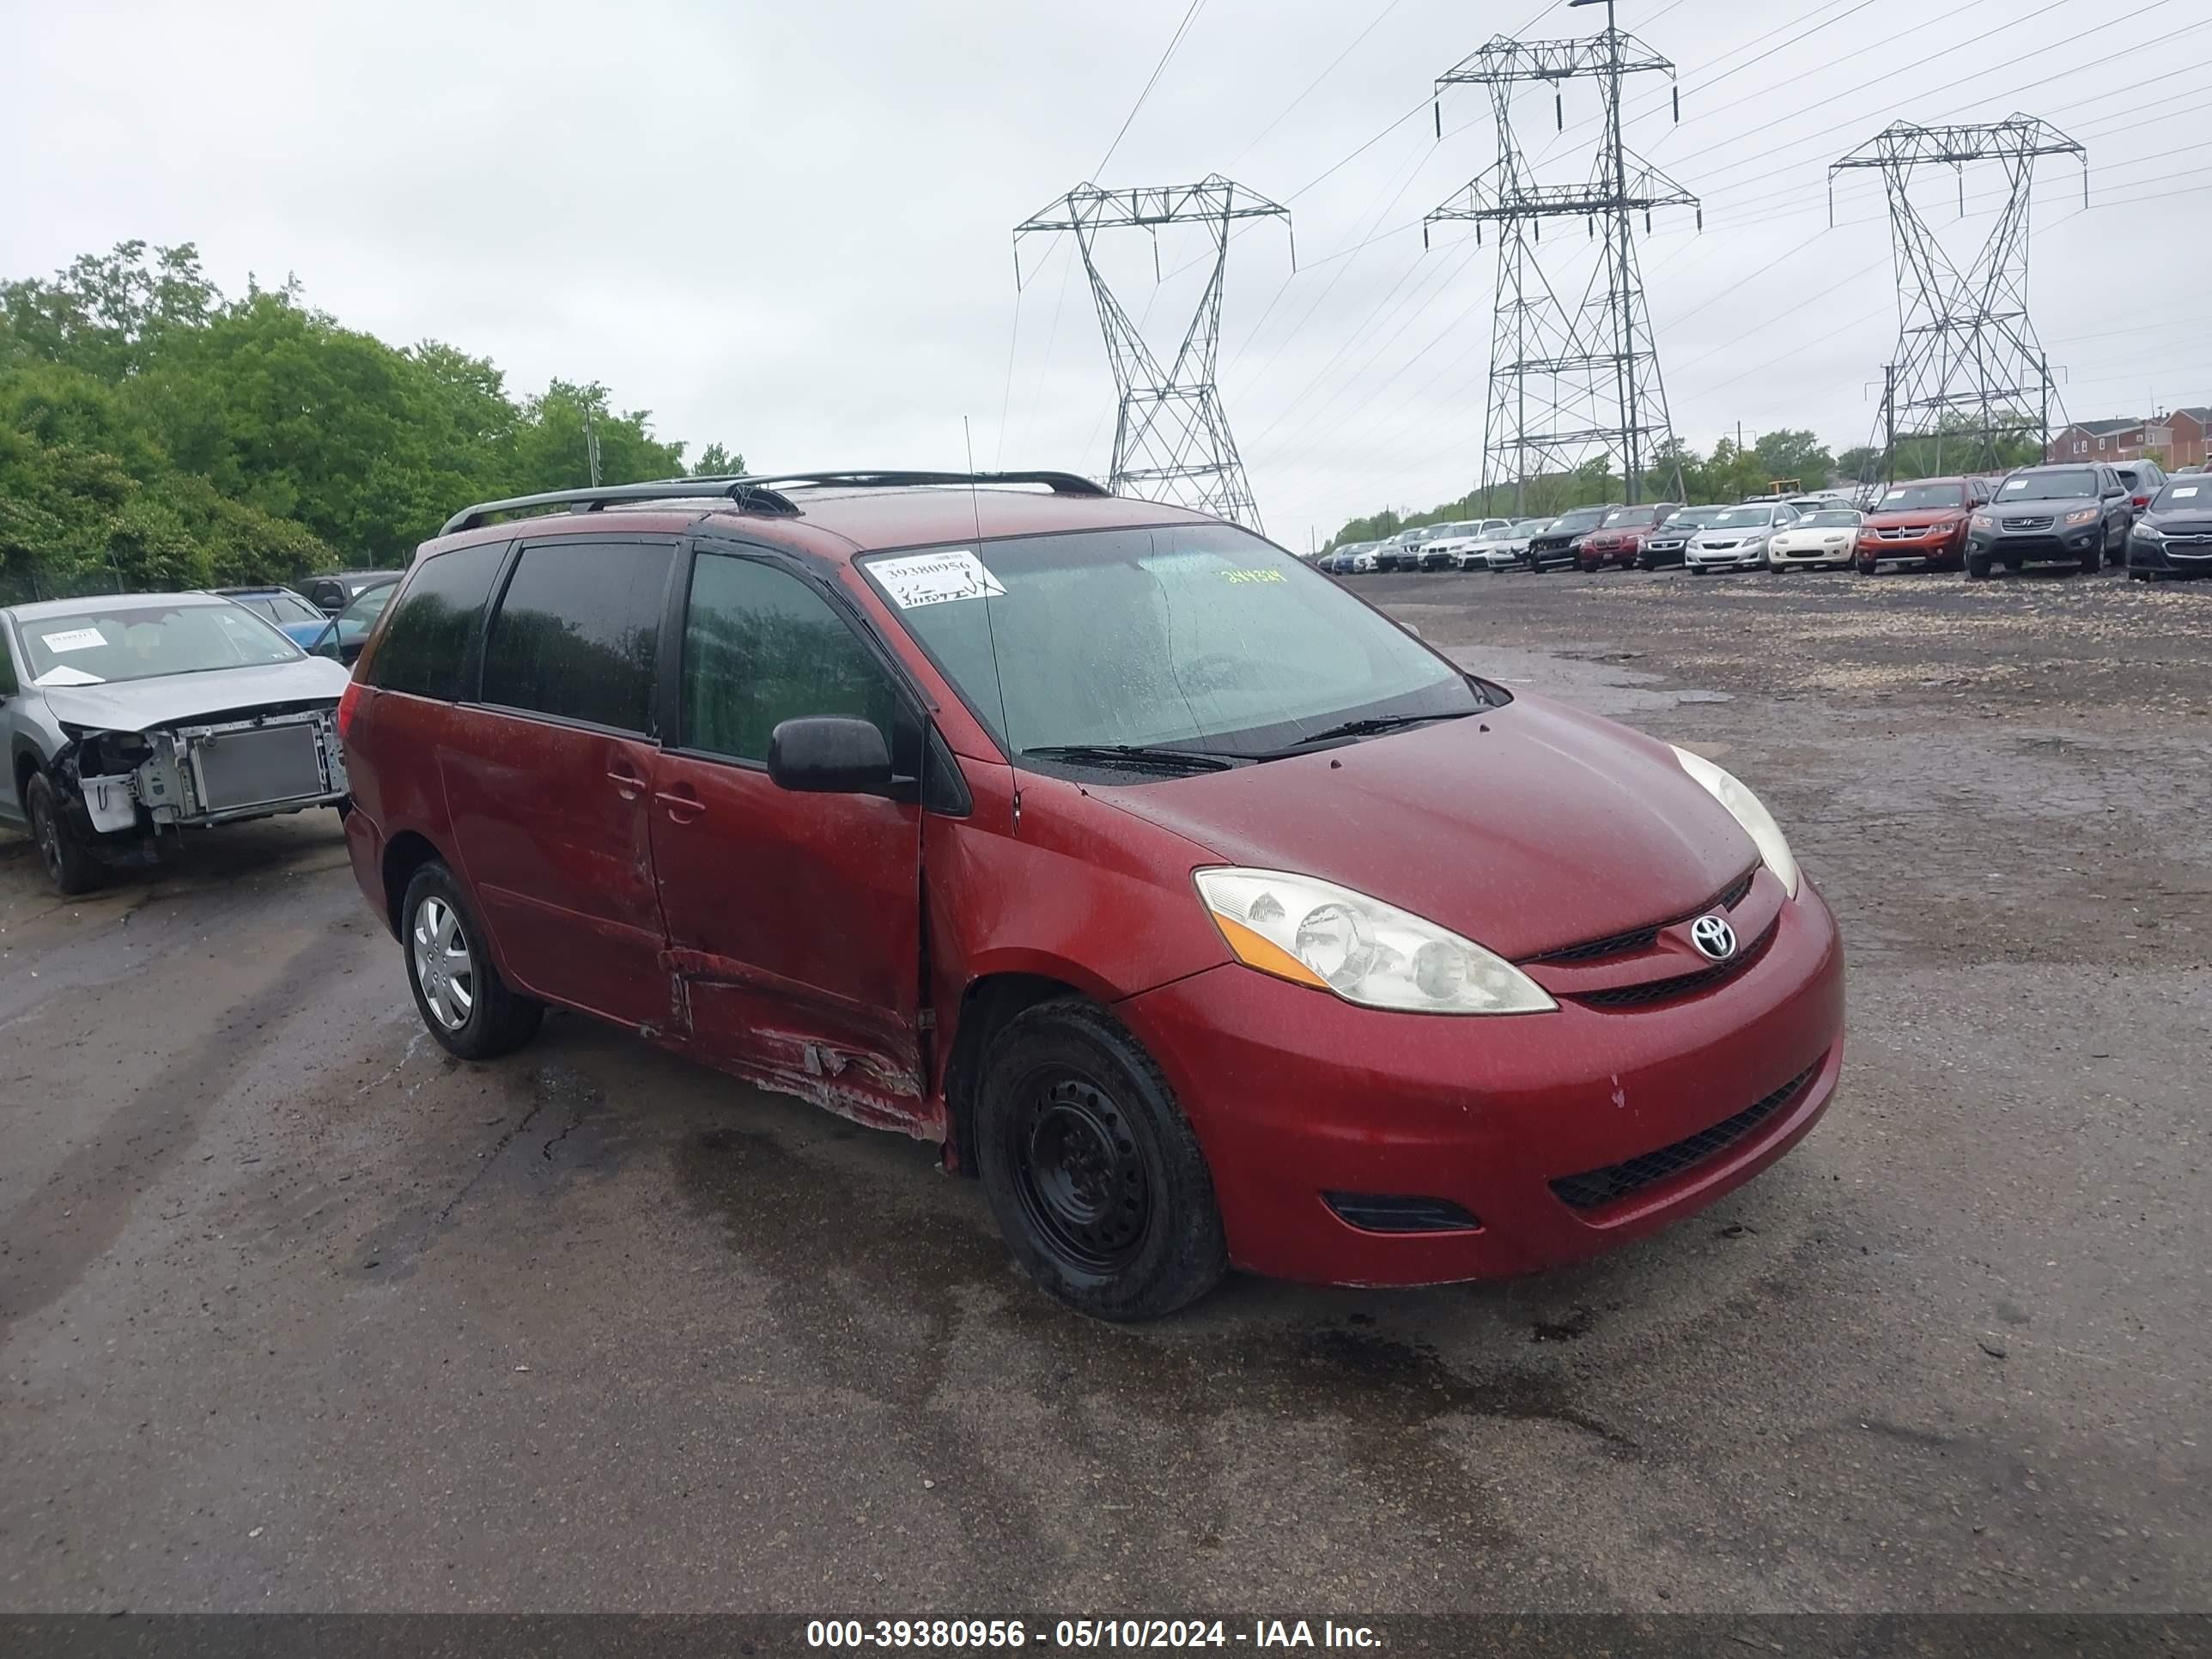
(1207, 915)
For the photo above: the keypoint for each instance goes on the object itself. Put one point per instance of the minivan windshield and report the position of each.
(2061, 486)
(99, 643)
(1197, 637)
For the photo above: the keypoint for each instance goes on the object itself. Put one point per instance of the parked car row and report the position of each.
(2086, 515)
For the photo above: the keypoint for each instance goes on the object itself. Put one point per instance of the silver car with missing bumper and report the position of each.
(132, 719)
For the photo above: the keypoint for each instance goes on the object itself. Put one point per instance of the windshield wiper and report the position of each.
(1373, 724)
(1135, 755)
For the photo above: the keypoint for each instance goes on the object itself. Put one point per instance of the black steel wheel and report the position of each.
(1094, 1175)
(1082, 1184)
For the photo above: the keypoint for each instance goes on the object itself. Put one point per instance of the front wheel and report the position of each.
(463, 1001)
(1866, 566)
(1092, 1171)
(70, 864)
(2093, 560)
(1978, 567)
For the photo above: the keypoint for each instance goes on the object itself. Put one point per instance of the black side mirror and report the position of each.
(828, 754)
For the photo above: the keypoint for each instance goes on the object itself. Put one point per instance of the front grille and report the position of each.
(1679, 985)
(1910, 533)
(1594, 1188)
(1382, 1213)
(1642, 938)
(2013, 525)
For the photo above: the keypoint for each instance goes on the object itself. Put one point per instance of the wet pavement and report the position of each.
(296, 1312)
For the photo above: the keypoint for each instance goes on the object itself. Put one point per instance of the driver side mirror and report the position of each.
(828, 754)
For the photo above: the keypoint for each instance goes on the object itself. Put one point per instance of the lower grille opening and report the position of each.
(1594, 1188)
(1382, 1213)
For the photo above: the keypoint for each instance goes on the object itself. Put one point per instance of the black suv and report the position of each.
(2076, 515)
(1559, 543)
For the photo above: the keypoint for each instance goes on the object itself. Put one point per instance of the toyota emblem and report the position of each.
(1713, 937)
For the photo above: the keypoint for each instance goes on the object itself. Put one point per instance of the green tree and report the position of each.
(716, 462)
(154, 431)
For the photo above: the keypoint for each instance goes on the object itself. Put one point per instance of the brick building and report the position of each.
(2179, 439)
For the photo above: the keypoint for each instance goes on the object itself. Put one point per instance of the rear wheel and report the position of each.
(70, 864)
(458, 992)
(1092, 1171)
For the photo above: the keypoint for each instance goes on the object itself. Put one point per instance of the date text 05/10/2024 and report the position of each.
(1083, 1634)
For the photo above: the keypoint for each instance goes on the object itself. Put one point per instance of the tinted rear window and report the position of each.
(578, 632)
(427, 640)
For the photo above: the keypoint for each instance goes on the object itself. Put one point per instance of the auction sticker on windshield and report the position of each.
(73, 639)
(923, 578)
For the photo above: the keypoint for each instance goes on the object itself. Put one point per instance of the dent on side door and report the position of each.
(795, 945)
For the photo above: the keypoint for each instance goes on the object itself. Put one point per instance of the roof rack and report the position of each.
(752, 492)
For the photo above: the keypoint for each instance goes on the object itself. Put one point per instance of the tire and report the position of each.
(2093, 560)
(1978, 567)
(70, 864)
(468, 1008)
(1073, 1115)
(1867, 567)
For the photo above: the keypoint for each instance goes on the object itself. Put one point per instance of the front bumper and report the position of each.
(1294, 1093)
(1940, 546)
(1835, 553)
(2177, 556)
(2061, 545)
(1750, 556)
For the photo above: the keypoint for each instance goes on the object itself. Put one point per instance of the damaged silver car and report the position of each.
(131, 719)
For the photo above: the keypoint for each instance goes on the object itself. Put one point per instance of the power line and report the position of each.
(1157, 70)
(1317, 81)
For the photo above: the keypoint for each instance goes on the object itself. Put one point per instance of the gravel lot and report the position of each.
(297, 1313)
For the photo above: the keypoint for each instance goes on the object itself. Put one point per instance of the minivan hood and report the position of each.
(1526, 829)
(136, 705)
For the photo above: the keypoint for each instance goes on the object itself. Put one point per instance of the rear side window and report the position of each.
(761, 646)
(578, 633)
(427, 642)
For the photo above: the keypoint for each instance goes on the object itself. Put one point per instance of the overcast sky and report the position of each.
(787, 227)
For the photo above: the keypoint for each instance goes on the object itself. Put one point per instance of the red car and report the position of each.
(1922, 522)
(1207, 915)
(1619, 539)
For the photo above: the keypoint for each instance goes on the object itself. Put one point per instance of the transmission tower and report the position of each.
(1171, 441)
(1967, 366)
(1569, 381)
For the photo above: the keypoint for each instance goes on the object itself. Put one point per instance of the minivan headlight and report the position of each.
(1314, 933)
(1746, 810)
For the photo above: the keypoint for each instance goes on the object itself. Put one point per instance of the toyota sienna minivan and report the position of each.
(1208, 916)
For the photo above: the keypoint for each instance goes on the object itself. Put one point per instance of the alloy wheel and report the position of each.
(443, 967)
(48, 835)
